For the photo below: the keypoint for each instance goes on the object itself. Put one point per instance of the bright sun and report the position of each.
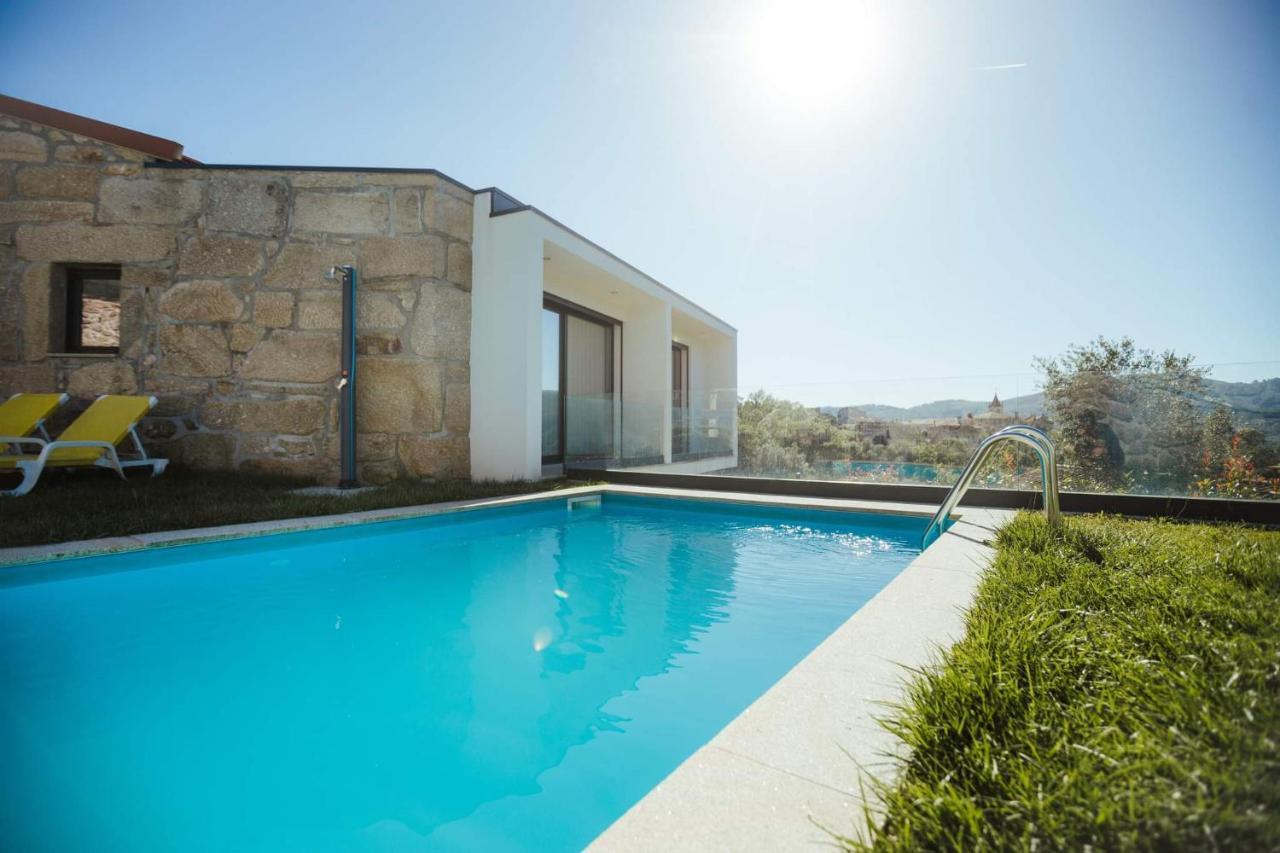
(815, 57)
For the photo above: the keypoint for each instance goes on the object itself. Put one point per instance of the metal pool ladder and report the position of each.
(1032, 437)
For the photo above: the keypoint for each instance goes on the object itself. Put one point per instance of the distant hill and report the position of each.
(1028, 404)
(1261, 397)
(1255, 404)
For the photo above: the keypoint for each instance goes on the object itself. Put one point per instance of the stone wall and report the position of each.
(225, 314)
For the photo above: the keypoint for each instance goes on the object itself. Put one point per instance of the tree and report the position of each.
(783, 438)
(1219, 431)
(1264, 455)
(1122, 413)
(1237, 464)
(1239, 476)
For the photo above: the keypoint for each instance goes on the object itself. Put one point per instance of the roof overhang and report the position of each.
(586, 250)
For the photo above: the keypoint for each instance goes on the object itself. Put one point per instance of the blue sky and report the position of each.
(882, 212)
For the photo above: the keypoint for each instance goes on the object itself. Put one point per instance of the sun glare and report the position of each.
(815, 57)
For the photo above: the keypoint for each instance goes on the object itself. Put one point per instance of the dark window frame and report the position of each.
(684, 442)
(76, 275)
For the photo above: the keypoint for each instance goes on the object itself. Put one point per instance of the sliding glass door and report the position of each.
(578, 381)
(588, 400)
(552, 405)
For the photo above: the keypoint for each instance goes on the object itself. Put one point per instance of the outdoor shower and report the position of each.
(347, 377)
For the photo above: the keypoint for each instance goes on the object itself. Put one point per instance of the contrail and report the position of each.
(1003, 67)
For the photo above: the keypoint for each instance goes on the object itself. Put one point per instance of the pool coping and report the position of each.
(140, 541)
(791, 769)
(10, 557)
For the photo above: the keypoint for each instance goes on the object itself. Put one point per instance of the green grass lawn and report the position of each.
(1118, 688)
(66, 506)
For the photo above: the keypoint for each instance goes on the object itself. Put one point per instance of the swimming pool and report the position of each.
(509, 679)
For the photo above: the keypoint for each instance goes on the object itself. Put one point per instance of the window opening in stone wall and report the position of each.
(90, 315)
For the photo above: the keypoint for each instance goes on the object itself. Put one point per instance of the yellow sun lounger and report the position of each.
(89, 442)
(24, 414)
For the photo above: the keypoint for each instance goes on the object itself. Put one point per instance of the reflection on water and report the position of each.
(515, 681)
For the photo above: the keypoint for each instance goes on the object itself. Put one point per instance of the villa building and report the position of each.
(492, 341)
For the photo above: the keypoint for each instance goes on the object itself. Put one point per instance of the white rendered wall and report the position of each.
(713, 374)
(646, 380)
(506, 358)
(721, 376)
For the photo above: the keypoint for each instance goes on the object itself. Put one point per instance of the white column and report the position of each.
(646, 379)
(506, 357)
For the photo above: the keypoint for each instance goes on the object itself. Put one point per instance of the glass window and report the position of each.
(588, 389)
(578, 379)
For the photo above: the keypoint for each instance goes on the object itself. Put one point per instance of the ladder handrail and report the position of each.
(1033, 437)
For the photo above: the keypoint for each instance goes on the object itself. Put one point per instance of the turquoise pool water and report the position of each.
(507, 679)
